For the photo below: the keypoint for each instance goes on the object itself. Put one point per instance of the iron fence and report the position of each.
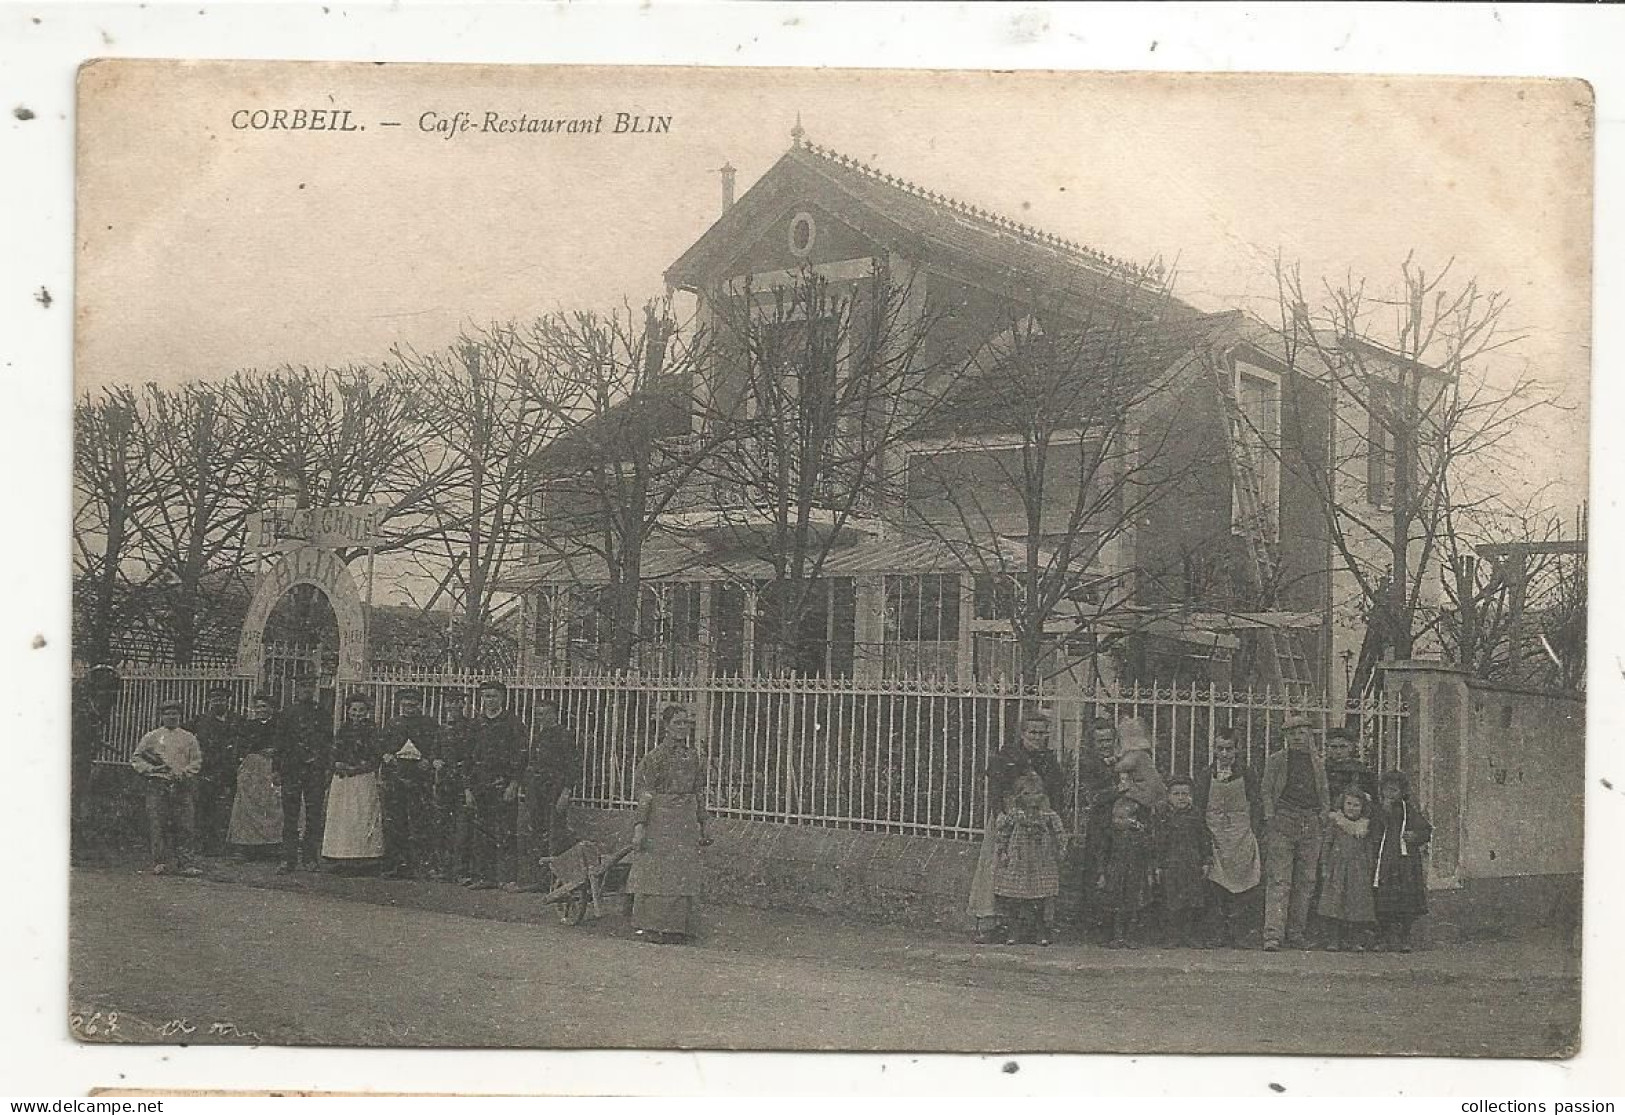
(902, 756)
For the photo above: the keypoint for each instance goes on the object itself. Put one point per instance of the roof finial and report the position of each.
(797, 132)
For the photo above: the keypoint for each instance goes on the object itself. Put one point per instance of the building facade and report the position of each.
(1012, 416)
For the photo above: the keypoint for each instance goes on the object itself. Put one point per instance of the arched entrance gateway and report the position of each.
(306, 540)
(307, 565)
(325, 571)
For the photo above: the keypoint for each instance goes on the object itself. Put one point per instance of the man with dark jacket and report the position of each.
(454, 795)
(411, 746)
(1097, 789)
(552, 770)
(1295, 806)
(301, 768)
(500, 740)
(219, 732)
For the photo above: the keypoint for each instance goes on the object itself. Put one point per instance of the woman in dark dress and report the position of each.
(670, 831)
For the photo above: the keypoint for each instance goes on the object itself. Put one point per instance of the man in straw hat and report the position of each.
(1295, 807)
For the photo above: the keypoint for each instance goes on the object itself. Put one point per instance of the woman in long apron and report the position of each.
(355, 811)
(665, 880)
(256, 808)
(1228, 796)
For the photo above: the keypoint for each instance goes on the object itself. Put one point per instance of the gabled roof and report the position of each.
(997, 400)
(923, 223)
(661, 409)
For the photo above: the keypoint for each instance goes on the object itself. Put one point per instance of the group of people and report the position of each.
(1333, 853)
(480, 800)
(462, 798)
(1312, 851)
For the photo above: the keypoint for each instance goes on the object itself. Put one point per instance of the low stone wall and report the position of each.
(907, 880)
(1546, 906)
(923, 882)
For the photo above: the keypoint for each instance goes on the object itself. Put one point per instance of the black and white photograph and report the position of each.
(962, 561)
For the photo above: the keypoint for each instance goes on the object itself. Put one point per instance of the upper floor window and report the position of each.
(1059, 480)
(796, 366)
(1382, 418)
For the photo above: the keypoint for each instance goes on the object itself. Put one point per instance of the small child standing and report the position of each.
(1346, 864)
(1127, 878)
(1027, 861)
(1400, 886)
(1184, 850)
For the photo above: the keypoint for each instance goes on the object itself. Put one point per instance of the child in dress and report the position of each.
(1027, 860)
(1184, 850)
(1127, 877)
(1347, 860)
(1400, 885)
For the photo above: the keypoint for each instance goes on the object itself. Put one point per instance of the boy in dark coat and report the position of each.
(1128, 868)
(1184, 850)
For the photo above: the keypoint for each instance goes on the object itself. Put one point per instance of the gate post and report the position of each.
(1433, 751)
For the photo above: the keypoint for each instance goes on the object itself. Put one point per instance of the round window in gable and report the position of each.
(803, 232)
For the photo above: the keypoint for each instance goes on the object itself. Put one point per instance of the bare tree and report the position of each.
(335, 437)
(1049, 454)
(1514, 596)
(113, 492)
(198, 455)
(813, 392)
(1420, 419)
(481, 400)
(619, 388)
(343, 437)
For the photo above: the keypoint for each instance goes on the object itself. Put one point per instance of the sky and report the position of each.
(205, 248)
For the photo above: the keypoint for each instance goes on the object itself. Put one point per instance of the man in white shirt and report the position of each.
(169, 758)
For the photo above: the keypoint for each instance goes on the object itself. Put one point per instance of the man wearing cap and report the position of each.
(552, 769)
(219, 732)
(301, 769)
(1295, 807)
(169, 759)
(499, 742)
(411, 744)
(454, 797)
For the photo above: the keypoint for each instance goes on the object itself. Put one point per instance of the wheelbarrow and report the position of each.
(583, 876)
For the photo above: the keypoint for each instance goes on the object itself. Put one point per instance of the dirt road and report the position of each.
(200, 961)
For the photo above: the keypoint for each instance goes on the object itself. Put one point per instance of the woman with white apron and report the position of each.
(355, 810)
(256, 808)
(1228, 797)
